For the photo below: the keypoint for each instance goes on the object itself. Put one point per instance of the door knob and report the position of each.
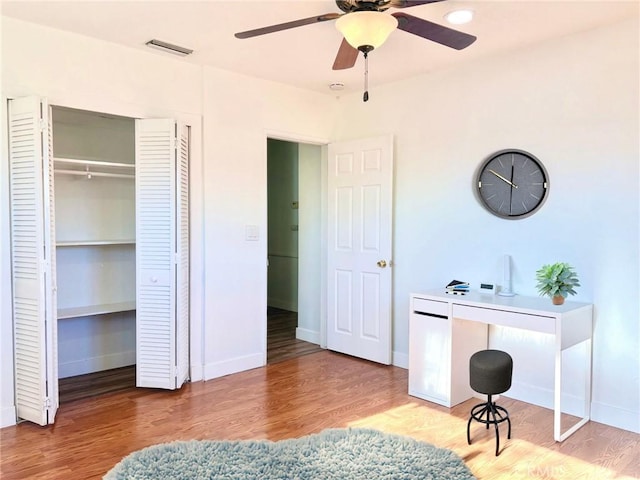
(382, 263)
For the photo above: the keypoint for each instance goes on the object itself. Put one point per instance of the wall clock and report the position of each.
(512, 184)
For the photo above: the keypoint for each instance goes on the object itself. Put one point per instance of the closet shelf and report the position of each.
(73, 312)
(96, 163)
(90, 243)
(91, 168)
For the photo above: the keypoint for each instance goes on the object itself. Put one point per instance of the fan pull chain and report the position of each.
(365, 97)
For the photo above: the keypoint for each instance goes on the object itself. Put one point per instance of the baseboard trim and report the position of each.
(307, 335)
(288, 305)
(7, 416)
(96, 364)
(616, 417)
(400, 359)
(234, 365)
(543, 397)
(196, 373)
(602, 413)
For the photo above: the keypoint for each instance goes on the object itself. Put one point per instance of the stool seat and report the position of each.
(490, 373)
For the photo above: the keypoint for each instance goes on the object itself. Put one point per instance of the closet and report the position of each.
(100, 249)
(94, 198)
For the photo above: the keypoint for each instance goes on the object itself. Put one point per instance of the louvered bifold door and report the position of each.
(33, 260)
(182, 293)
(159, 351)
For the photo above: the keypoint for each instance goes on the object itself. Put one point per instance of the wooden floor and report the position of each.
(282, 344)
(97, 383)
(297, 397)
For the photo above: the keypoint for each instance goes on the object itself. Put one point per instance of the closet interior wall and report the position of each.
(94, 185)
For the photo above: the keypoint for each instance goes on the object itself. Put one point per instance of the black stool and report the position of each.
(490, 373)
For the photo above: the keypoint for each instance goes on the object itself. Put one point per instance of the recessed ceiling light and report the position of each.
(336, 86)
(459, 17)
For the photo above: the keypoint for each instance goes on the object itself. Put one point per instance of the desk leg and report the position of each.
(557, 410)
(557, 392)
(587, 382)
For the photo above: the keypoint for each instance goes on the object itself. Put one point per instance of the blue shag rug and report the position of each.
(340, 454)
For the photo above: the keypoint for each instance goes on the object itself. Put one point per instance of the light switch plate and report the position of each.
(251, 233)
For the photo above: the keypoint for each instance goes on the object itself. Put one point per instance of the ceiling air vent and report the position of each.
(169, 47)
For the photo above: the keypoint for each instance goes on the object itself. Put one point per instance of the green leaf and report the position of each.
(557, 279)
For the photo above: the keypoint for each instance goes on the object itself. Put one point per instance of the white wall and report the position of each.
(574, 104)
(75, 71)
(239, 114)
(310, 243)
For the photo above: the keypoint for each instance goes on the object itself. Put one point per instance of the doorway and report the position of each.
(294, 234)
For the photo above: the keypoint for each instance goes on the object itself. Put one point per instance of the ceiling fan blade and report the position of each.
(288, 25)
(410, 3)
(346, 57)
(434, 32)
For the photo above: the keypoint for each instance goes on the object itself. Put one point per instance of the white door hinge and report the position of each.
(47, 403)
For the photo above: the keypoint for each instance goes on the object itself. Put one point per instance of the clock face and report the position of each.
(512, 184)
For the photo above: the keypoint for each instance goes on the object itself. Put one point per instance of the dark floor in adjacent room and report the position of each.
(282, 343)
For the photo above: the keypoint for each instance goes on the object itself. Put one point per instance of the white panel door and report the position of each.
(33, 260)
(161, 254)
(359, 247)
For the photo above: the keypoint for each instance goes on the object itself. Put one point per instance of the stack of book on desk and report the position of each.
(456, 287)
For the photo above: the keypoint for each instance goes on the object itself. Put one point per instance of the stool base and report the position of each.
(494, 415)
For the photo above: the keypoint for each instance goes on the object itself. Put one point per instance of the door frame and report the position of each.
(323, 144)
(196, 206)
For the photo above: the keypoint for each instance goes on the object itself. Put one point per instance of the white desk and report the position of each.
(445, 330)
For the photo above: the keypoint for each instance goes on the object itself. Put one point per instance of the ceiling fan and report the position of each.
(367, 14)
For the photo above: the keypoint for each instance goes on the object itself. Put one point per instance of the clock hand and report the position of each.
(511, 191)
(503, 179)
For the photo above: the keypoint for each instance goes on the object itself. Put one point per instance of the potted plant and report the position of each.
(557, 281)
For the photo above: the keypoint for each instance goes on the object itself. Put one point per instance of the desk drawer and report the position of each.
(537, 323)
(431, 307)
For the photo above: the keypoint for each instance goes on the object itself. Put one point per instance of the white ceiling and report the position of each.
(303, 56)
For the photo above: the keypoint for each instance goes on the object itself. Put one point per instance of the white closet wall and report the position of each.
(94, 158)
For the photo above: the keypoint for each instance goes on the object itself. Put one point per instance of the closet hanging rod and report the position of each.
(100, 163)
(83, 173)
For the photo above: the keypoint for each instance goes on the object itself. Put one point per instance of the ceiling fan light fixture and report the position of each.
(366, 28)
(459, 17)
